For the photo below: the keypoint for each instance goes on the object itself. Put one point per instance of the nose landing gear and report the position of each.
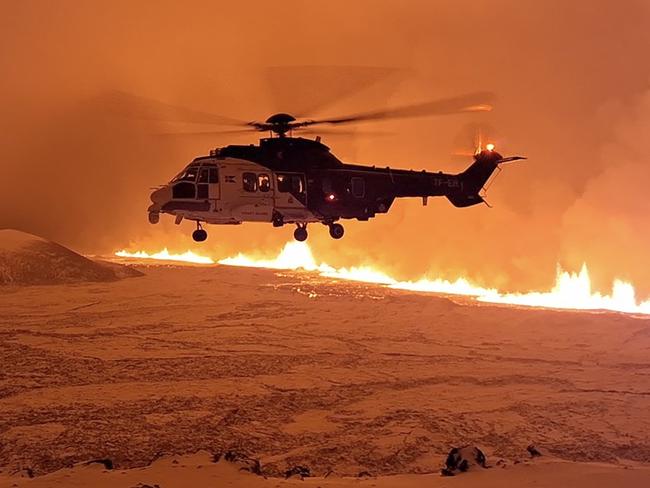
(300, 234)
(199, 235)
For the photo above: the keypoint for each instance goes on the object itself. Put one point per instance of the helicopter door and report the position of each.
(291, 194)
(256, 197)
(207, 184)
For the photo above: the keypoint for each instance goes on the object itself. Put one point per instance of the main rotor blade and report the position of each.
(206, 132)
(338, 132)
(304, 90)
(473, 102)
(124, 104)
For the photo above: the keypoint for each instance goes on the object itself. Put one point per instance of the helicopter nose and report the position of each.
(161, 195)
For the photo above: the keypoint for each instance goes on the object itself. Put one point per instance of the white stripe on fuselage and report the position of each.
(236, 205)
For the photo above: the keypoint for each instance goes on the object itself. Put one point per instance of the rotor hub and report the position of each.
(280, 123)
(280, 119)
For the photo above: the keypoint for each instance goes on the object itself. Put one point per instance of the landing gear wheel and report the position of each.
(199, 235)
(336, 231)
(300, 234)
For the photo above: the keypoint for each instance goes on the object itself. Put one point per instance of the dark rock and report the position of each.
(462, 458)
(108, 464)
(364, 474)
(452, 458)
(533, 451)
(244, 462)
(299, 471)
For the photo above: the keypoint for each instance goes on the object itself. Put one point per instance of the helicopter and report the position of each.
(287, 180)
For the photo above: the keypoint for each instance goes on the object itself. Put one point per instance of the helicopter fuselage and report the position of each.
(288, 180)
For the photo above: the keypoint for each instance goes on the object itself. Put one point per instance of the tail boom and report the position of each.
(474, 178)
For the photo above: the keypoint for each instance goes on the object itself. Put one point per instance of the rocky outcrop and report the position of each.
(26, 259)
(242, 461)
(461, 459)
(300, 472)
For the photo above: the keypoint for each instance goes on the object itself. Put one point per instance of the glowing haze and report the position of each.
(571, 290)
(572, 95)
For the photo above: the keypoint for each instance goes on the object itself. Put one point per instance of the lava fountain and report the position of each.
(165, 255)
(571, 290)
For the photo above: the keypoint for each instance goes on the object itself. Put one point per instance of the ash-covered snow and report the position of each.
(26, 259)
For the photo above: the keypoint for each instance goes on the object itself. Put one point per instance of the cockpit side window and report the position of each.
(204, 175)
(183, 189)
(208, 174)
(249, 181)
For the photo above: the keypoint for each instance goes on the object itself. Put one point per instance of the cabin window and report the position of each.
(284, 183)
(327, 185)
(249, 181)
(358, 187)
(297, 185)
(264, 182)
(291, 183)
(183, 190)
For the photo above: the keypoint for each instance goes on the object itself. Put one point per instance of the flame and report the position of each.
(294, 255)
(571, 290)
(186, 257)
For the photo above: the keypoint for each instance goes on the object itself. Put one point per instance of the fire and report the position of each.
(294, 255)
(571, 290)
(298, 255)
(186, 257)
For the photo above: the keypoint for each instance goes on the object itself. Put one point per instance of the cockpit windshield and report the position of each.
(188, 174)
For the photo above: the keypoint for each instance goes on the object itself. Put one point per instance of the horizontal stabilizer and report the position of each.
(464, 200)
(511, 159)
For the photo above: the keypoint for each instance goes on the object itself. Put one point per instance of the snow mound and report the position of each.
(26, 259)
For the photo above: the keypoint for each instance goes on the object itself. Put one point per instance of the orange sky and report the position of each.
(572, 80)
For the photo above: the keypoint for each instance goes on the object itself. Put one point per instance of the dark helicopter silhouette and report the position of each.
(296, 180)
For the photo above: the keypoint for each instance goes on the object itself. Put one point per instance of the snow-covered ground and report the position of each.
(297, 369)
(26, 259)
